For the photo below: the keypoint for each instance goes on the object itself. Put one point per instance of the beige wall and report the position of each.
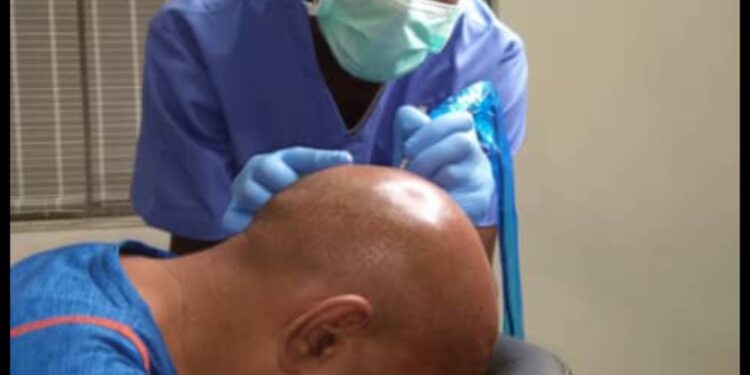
(628, 183)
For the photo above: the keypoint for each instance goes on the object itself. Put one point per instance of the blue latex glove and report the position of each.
(447, 152)
(267, 174)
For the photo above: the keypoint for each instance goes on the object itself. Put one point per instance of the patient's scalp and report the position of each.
(364, 189)
(364, 210)
(350, 220)
(387, 235)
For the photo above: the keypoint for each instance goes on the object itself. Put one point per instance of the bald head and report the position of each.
(406, 265)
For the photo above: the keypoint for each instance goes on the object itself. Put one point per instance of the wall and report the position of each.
(628, 183)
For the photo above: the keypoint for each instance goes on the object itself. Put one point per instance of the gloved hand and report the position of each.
(446, 151)
(266, 174)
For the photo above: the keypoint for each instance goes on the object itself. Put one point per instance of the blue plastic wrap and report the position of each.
(483, 102)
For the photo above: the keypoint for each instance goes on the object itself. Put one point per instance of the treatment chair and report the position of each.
(515, 357)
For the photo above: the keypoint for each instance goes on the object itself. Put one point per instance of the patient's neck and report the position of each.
(205, 304)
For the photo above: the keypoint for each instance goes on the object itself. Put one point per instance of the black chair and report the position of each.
(514, 357)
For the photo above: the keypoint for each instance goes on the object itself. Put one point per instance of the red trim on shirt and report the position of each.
(118, 327)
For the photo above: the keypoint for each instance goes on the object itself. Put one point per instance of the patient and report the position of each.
(354, 270)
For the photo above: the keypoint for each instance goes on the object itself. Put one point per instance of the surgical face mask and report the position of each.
(378, 40)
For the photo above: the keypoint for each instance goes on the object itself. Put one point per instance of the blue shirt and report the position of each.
(73, 311)
(228, 79)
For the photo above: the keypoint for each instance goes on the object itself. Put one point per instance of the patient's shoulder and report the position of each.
(76, 345)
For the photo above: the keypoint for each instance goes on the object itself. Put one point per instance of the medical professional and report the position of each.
(242, 97)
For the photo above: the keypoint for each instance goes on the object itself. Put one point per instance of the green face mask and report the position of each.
(378, 40)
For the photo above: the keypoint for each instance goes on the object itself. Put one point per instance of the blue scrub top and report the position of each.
(228, 79)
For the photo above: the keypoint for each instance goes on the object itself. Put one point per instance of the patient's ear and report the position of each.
(323, 331)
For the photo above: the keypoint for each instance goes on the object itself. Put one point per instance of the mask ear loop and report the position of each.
(312, 7)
